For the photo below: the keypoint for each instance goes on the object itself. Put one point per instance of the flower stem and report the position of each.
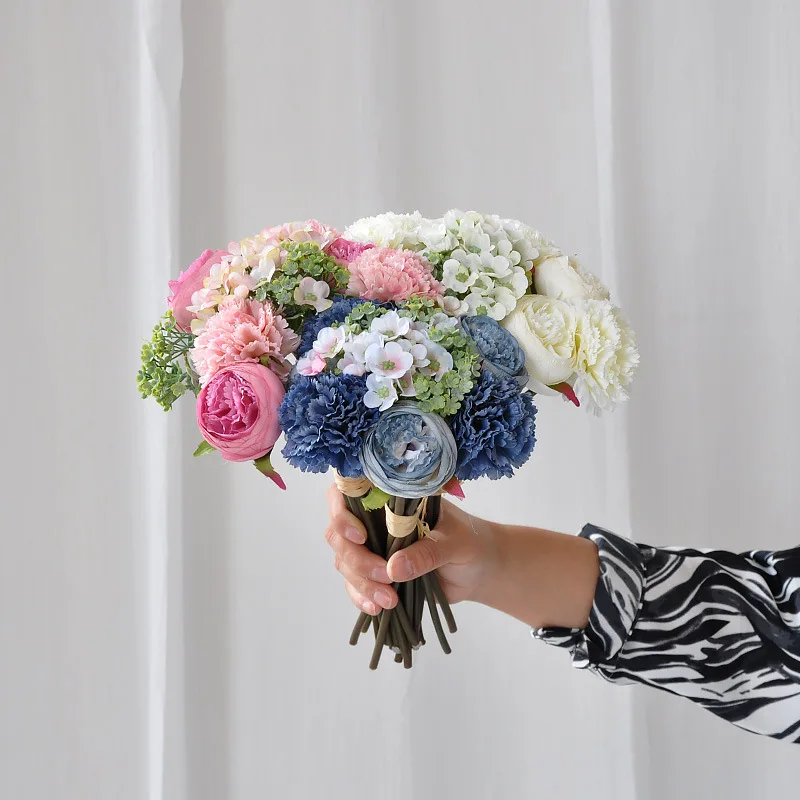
(358, 628)
(442, 599)
(437, 623)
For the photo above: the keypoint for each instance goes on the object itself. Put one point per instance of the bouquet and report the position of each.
(403, 353)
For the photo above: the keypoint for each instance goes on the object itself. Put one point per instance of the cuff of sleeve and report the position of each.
(617, 600)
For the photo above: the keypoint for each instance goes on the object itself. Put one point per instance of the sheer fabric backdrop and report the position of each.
(172, 629)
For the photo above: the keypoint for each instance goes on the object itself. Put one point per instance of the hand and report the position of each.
(461, 547)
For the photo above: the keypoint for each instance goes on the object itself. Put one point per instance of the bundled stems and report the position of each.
(400, 628)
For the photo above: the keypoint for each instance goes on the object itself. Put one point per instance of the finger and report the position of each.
(418, 559)
(342, 521)
(361, 602)
(336, 502)
(360, 560)
(365, 571)
(381, 594)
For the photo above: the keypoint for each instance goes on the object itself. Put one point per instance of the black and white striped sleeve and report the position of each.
(718, 628)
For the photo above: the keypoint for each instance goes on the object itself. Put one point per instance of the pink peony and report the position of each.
(237, 411)
(243, 330)
(347, 251)
(188, 283)
(381, 273)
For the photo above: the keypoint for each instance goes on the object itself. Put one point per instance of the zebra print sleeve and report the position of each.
(720, 629)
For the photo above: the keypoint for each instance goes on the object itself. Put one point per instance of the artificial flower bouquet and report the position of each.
(403, 353)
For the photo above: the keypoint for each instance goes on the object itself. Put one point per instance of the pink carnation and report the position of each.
(347, 251)
(188, 283)
(243, 330)
(391, 275)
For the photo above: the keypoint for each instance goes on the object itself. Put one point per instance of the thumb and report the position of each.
(422, 557)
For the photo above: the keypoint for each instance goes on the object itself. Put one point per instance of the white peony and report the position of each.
(399, 231)
(545, 329)
(597, 290)
(606, 357)
(563, 278)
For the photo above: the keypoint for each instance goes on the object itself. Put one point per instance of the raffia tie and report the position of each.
(400, 526)
(352, 487)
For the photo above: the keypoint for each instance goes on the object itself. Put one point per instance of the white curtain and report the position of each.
(172, 629)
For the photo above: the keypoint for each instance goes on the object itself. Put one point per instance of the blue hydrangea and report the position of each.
(324, 420)
(494, 429)
(337, 313)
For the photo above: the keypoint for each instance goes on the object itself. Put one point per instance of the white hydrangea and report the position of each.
(606, 357)
(527, 240)
(399, 231)
(482, 265)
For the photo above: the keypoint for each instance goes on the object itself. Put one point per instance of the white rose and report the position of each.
(564, 279)
(545, 329)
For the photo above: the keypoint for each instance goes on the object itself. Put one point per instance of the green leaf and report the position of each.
(203, 448)
(376, 498)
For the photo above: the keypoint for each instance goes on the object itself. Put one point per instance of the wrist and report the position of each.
(541, 577)
(496, 575)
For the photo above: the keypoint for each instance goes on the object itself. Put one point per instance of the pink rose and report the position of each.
(188, 283)
(347, 251)
(237, 411)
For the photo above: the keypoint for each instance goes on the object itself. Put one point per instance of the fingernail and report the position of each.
(383, 598)
(355, 535)
(369, 607)
(402, 567)
(380, 574)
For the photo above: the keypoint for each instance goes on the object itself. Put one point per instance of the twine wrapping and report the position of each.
(399, 526)
(352, 487)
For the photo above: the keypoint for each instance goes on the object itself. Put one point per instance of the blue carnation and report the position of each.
(494, 429)
(324, 419)
(337, 313)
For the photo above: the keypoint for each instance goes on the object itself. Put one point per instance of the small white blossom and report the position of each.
(457, 273)
(313, 293)
(312, 364)
(440, 361)
(442, 322)
(406, 384)
(391, 325)
(349, 365)
(389, 360)
(381, 393)
(330, 342)
(418, 351)
(453, 305)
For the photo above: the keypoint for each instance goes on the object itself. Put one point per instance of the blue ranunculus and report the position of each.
(495, 429)
(409, 453)
(500, 351)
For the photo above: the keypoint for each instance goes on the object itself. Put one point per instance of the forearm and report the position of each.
(720, 629)
(541, 577)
